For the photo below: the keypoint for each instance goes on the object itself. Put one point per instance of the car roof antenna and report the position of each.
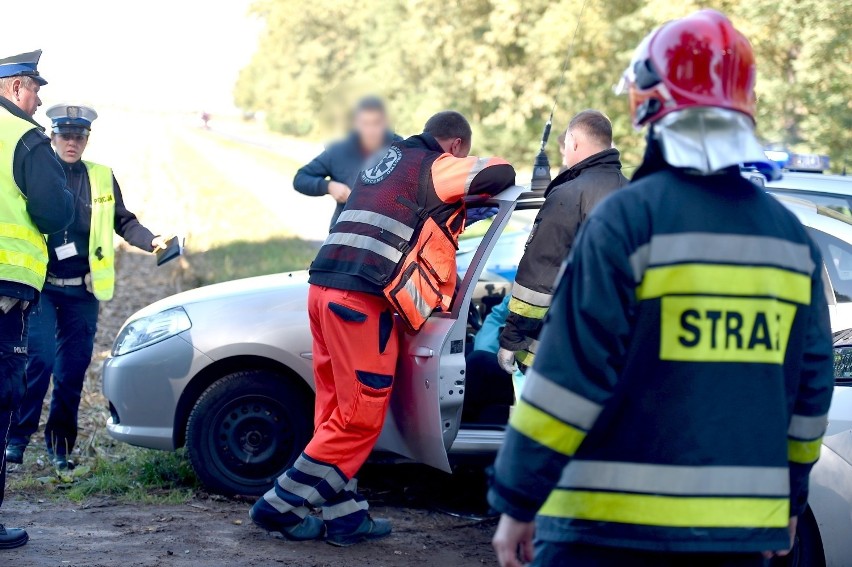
(541, 166)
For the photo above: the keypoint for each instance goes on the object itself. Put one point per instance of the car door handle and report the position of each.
(422, 351)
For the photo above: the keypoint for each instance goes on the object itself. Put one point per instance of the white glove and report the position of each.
(506, 360)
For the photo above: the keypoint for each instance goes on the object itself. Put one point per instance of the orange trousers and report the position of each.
(355, 350)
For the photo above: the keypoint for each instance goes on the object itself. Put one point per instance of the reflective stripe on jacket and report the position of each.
(101, 249)
(683, 375)
(407, 209)
(23, 251)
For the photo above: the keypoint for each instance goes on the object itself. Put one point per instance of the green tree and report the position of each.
(499, 62)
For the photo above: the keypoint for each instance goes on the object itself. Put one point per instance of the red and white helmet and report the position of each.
(697, 61)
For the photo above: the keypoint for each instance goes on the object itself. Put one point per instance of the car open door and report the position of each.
(429, 387)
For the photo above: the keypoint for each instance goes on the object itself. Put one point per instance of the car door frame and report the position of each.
(426, 404)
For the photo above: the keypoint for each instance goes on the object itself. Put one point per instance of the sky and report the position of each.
(158, 55)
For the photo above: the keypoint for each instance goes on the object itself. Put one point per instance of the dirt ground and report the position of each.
(209, 533)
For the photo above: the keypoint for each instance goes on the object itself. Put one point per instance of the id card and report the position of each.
(66, 251)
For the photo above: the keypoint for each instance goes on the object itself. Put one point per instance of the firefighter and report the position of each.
(80, 274)
(681, 389)
(594, 171)
(335, 170)
(34, 201)
(391, 251)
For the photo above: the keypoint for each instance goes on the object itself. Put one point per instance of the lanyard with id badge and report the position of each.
(67, 250)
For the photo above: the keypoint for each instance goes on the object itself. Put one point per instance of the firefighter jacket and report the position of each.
(406, 208)
(568, 201)
(684, 376)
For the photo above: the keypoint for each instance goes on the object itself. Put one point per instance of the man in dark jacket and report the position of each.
(335, 170)
(594, 171)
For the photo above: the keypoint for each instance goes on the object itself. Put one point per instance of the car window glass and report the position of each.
(837, 255)
(833, 202)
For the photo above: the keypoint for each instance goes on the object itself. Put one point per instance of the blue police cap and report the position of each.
(22, 65)
(71, 118)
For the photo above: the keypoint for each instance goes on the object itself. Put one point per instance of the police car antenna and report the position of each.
(541, 167)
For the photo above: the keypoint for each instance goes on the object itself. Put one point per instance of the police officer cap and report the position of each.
(22, 65)
(71, 118)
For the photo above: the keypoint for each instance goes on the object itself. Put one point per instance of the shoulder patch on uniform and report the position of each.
(382, 164)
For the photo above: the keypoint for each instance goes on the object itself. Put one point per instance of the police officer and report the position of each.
(594, 171)
(392, 247)
(681, 388)
(80, 273)
(33, 201)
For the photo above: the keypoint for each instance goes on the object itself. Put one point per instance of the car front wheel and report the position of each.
(246, 429)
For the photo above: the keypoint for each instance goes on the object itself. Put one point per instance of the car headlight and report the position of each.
(151, 329)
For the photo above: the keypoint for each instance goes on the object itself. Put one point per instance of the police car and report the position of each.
(226, 371)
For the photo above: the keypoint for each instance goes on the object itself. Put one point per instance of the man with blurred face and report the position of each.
(33, 201)
(335, 170)
(80, 274)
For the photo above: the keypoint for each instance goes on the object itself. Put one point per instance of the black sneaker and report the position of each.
(369, 530)
(10, 538)
(15, 454)
(60, 462)
(309, 528)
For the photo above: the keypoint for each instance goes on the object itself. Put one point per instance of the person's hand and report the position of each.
(158, 243)
(794, 522)
(513, 542)
(506, 360)
(340, 191)
(476, 214)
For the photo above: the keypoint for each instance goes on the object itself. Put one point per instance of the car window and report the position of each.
(837, 255)
(833, 202)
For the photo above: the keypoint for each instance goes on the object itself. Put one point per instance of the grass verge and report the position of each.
(244, 259)
(129, 474)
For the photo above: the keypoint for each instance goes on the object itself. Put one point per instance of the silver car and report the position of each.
(225, 370)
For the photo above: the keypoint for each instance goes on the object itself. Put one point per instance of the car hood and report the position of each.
(290, 291)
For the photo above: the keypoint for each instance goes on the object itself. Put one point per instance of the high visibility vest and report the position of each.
(23, 250)
(101, 249)
(400, 228)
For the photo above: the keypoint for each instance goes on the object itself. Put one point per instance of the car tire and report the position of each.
(807, 551)
(246, 429)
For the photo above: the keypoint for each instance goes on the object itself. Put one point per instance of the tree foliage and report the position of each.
(499, 62)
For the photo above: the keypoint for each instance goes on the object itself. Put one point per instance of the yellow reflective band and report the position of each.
(803, 452)
(668, 511)
(526, 310)
(8, 230)
(709, 279)
(725, 329)
(546, 429)
(525, 357)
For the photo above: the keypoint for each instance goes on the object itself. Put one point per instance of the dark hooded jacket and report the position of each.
(568, 201)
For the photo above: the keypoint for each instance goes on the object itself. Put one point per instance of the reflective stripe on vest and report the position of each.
(23, 251)
(101, 249)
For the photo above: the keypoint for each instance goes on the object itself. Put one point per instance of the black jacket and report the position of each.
(39, 176)
(568, 201)
(126, 225)
(341, 161)
(689, 332)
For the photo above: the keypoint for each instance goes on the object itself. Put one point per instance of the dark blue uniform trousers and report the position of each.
(548, 554)
(61, 340)
(13, 365)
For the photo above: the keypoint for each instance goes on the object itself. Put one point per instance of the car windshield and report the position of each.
(835, 203)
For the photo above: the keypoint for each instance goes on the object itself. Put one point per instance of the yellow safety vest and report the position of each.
(23, 250)
(101, 249)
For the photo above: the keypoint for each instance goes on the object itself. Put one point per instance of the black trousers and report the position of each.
(581, 555)
(61, 339)
(13, 367)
